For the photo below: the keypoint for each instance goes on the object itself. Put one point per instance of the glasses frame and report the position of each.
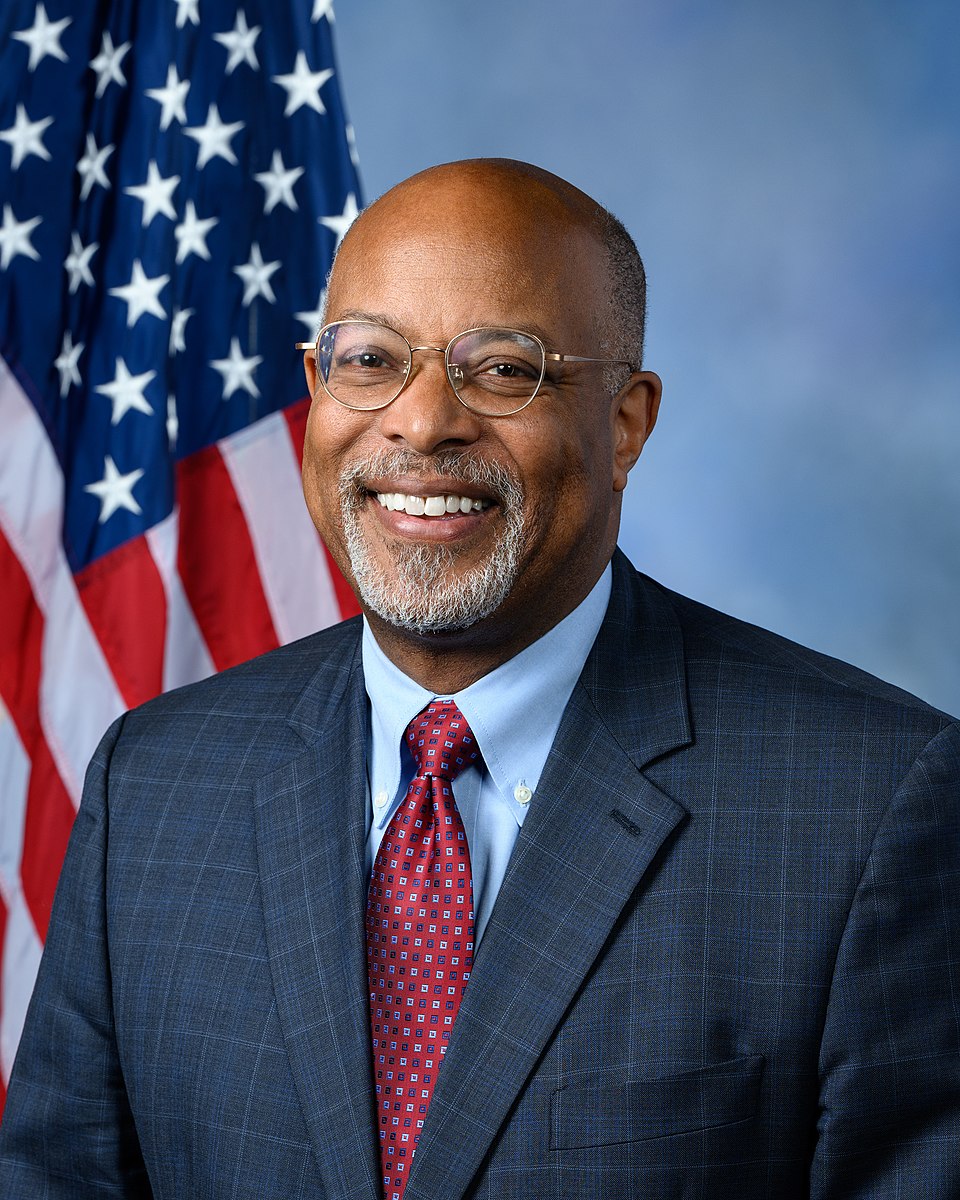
(448, 366)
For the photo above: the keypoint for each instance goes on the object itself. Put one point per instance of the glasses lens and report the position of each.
(495, 371)
(362, 365)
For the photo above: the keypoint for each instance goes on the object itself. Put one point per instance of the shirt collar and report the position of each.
(514, 711)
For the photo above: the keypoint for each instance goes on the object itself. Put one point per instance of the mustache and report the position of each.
(459, 466)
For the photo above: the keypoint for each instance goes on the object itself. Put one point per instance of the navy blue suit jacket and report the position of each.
(724, 962)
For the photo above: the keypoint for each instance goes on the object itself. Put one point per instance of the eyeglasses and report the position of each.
(494, 372)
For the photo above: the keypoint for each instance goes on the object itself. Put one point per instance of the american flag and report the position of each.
(174, 179)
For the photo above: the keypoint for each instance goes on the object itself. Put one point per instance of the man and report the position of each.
(710, 877)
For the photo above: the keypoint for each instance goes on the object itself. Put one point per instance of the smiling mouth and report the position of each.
(444, 505)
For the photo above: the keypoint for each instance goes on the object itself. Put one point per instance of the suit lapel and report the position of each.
(593, 830)
(311, 829)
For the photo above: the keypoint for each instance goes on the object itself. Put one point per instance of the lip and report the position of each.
(450, 527)
(415, 485)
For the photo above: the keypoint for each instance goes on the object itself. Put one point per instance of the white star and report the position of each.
(15, 237)
(322, 8)
(91, 166)
(77, 262)
(313, 320)
(155, 194)
(256, 275)
(173, 424)
(187, 10)
(140, 294)
(339, 225)
(115, 490)
(213, 138)
(26, 137)
(278, 184)
(107, 64)
(240, 43)
(171, 98)
(191, 234)
(43, 38)
(237, 371)
(126, 391)
(177, 328)
(303, 86)
(66, 364)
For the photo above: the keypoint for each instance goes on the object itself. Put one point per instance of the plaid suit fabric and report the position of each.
(722, 962)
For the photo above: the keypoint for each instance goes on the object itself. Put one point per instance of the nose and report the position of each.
(427, 416)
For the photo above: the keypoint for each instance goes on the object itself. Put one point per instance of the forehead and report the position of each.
(436, 259)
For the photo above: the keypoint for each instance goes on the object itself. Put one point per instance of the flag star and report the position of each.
(91, 166)
(107, 64)
(115, 490)
(256, 275)
(67, 361)
(126, 392)
(303, 86)
(173, 424)
(156, 195)
(177, 329)
(15, 237)
(140, 294)
(77, 262)
(191, 234)
(340, 224)
(313, 320)
(187, 10)
(278, 184)
(171, 98)
(43, 38)
(240, 43)
(322, 8)
(237, 371)
(213, 138)
(26, 137)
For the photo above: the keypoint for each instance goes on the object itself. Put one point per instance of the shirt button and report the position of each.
(522, 794)
(380, 799)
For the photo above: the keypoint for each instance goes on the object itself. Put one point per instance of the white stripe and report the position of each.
(265, 474)
(185, 654)
(78, 695)
(21, 945)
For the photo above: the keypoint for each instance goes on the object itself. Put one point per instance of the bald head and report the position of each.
(504, 194)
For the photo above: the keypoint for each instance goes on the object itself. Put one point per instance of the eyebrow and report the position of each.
(359, 314)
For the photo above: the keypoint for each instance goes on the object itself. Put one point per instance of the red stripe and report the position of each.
(123, 595)
(296, 416)
(217, 563)
(49, 813)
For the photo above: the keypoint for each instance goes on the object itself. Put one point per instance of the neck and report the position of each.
(448, 662)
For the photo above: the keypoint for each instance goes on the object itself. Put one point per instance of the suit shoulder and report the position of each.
(749, 654)
(269, 685)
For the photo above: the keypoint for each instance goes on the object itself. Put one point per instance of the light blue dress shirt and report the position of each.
(514, 713)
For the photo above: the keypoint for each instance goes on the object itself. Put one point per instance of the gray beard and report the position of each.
(422, 591)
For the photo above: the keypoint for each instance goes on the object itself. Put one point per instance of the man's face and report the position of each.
(541, 486)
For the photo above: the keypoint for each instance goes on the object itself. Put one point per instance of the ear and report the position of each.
(635, 409)
(310, 370)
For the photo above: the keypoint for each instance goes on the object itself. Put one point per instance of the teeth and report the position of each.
(429, 506)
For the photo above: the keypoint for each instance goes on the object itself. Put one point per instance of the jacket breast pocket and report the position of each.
(584, 1115)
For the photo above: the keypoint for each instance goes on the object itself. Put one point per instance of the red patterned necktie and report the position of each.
(419, 935)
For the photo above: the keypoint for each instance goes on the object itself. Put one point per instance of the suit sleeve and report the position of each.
(67, 1129)
(890, 1057)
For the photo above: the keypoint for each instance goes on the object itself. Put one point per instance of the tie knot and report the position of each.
(440, 741)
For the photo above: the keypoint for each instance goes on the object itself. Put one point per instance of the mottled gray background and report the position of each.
(790, 173)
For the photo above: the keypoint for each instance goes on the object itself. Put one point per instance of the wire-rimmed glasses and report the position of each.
(494, 372)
